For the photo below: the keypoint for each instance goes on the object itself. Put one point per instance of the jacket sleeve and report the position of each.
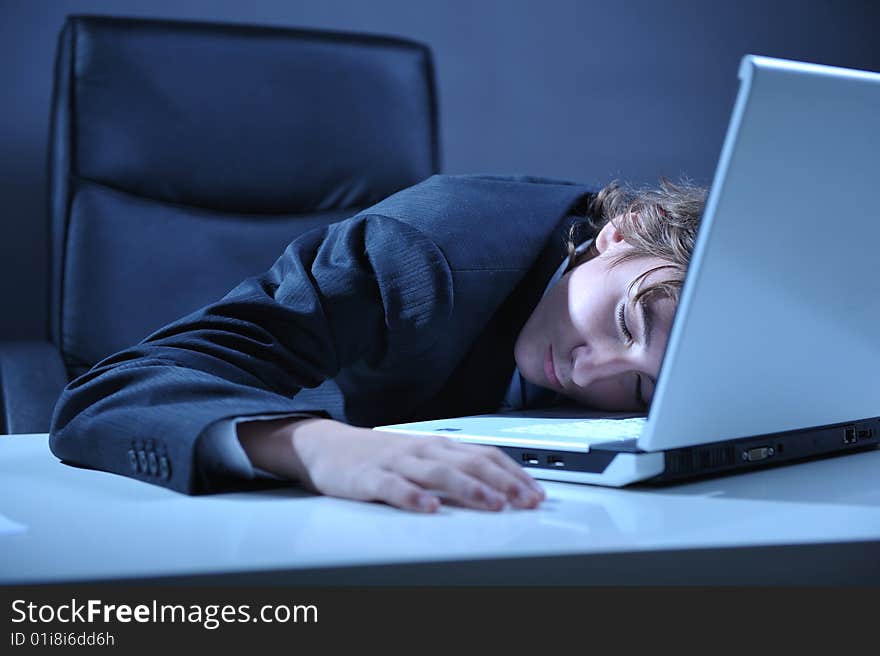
(365, 289)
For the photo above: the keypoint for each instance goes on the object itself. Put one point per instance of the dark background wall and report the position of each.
(584, 90)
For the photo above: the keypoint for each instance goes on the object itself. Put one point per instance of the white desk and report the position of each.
(811, 523)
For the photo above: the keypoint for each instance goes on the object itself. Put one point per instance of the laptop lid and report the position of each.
(778, 326)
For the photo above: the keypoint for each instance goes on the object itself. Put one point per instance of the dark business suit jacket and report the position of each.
(408, 310)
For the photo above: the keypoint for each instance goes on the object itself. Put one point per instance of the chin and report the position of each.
(529, 358)
(528, 372)
(521, 356)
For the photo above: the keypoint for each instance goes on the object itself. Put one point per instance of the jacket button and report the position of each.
(151, 461)
(132, 460)
(164, 468)
(142, 461)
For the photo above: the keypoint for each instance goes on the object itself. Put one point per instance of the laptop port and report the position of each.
(849, 435)
(758, 453)
(866, 434)
(530, 459)
(555, 461)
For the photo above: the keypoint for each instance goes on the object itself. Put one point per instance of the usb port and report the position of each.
(530, 459)
(555, 461)
(866, 434)
(849, 435)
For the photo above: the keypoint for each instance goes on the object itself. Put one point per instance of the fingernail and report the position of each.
(427, 502)
(494, 500)
(526, 495)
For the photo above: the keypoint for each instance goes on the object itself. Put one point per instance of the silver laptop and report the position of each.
(774, 354)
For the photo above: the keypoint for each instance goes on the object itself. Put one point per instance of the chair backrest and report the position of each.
(184, 157)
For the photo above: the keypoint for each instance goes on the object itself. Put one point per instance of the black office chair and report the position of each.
(184, 157)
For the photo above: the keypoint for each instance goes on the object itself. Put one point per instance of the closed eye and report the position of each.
(621, 322)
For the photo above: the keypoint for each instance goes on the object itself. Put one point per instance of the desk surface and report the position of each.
(62, 524)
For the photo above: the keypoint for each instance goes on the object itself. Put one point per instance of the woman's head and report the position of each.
(599, 334)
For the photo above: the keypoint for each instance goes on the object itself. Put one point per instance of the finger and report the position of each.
(393, 489)
(481, 466)
(449, 480)
(504, 461)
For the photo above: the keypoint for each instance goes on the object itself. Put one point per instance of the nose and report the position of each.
(598, 361)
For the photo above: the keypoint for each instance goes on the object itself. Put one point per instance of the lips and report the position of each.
(550, 369)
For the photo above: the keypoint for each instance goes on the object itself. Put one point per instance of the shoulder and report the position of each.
(490, 222)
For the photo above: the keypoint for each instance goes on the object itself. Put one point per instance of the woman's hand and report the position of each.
(409, 472)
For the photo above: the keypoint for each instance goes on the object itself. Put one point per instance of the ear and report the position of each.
(609, 237)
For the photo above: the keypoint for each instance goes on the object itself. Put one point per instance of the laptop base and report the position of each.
(621, 462)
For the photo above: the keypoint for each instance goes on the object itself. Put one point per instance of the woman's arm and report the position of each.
(409, 472)
(366, 289)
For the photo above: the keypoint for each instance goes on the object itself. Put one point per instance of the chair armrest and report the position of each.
(32, 377)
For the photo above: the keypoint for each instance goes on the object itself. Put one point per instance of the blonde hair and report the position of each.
(660, 222)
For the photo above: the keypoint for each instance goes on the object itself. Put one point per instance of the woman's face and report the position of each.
(588, 341)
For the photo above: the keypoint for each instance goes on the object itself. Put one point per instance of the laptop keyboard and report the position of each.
(587, 429)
